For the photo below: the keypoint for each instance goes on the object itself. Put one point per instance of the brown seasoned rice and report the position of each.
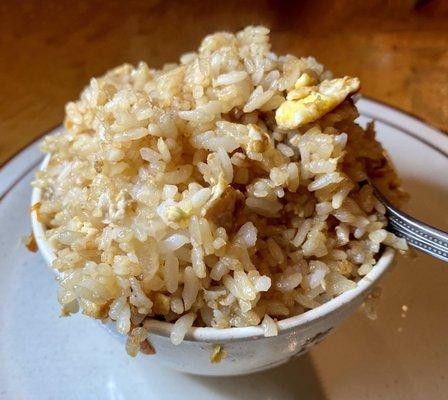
(223, 191)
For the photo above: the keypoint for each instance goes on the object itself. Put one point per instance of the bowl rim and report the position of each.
(210, 334)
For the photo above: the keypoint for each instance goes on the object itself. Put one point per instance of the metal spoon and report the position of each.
(423, 237)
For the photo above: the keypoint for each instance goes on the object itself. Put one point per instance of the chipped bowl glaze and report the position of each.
(246, 349)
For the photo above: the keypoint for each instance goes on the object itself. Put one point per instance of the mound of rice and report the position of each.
(224, 191)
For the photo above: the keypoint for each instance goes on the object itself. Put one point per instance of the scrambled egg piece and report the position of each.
(218, 354)
(307, 104)
(222, 204)
(258, 140)
(306, 79)
(260, 147)
(217, 191)
(176, 214)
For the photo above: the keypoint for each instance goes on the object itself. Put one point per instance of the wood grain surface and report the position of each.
(50, 49)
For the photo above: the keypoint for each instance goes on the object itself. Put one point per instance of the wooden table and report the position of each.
(50, 49)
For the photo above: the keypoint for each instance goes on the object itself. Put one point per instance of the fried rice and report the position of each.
(226, 190)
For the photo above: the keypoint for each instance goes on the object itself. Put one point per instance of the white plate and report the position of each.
(44, 357)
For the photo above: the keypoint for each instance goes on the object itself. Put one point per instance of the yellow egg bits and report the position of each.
(309, 101)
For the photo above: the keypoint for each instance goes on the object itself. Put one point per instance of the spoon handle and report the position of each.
(422, 236)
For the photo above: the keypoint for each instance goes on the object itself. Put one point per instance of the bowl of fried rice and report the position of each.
(215, 212)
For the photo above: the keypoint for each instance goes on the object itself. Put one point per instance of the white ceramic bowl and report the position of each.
(247, 350)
